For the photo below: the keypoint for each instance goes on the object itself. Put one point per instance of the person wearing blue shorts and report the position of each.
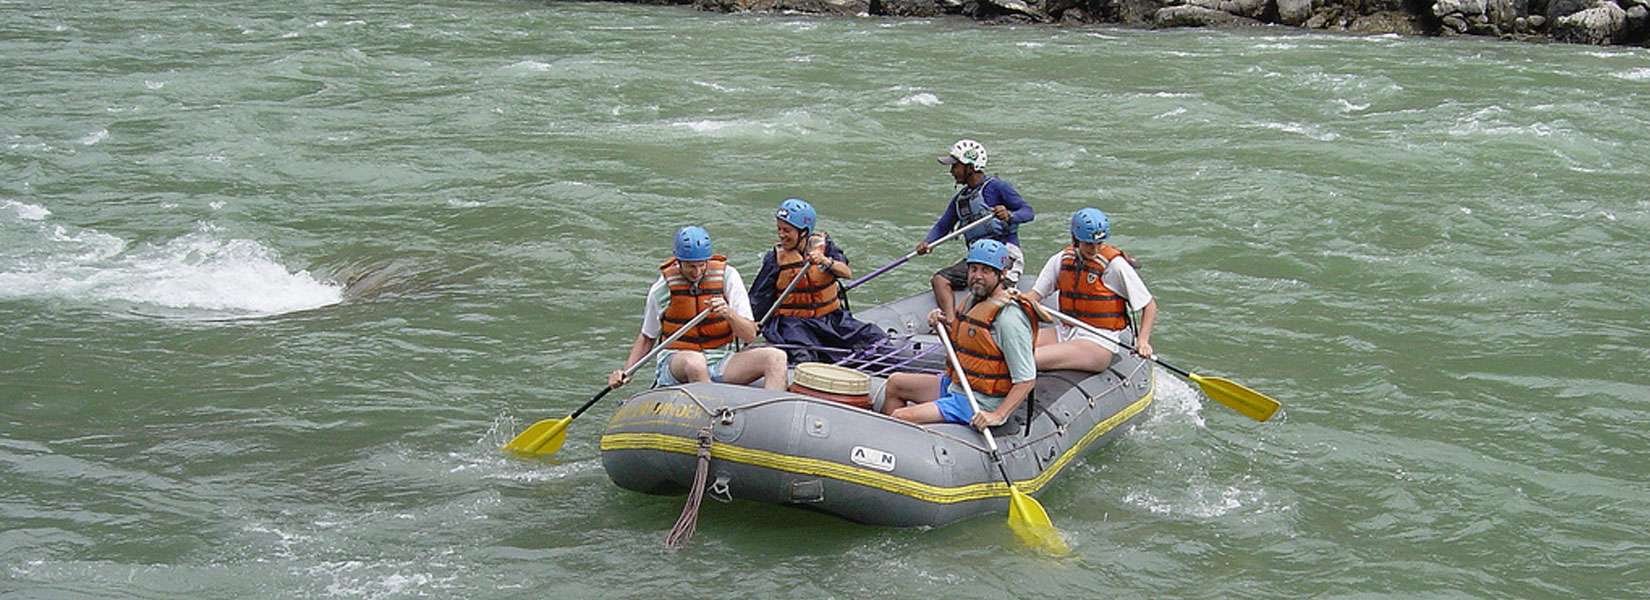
(993, 339)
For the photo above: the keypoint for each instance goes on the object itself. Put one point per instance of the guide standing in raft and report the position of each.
(980, 195)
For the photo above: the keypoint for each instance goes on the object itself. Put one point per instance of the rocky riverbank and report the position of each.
(1603, 22)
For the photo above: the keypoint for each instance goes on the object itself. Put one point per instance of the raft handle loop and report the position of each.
(724, 415)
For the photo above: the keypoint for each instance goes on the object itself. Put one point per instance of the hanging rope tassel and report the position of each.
(683, 531)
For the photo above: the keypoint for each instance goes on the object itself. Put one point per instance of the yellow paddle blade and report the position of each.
(1250, 403)
(1030, 523)
(543, 437)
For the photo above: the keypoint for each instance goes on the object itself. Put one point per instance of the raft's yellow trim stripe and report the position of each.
(867, 477)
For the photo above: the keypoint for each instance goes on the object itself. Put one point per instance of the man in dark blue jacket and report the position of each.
(980, 195)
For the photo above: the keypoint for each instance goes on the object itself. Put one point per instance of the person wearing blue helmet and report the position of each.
(696, 279)
(979, 195)
(993, 339)
(1097, 283)
(812, 319)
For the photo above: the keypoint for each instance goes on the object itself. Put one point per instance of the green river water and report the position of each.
(277, 279)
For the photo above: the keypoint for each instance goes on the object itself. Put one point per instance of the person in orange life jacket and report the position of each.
(691, 281)
(993, 339)
(980, 195)
(1096, 283)
(813, 314)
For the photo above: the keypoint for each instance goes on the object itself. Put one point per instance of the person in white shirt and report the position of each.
(1097, 283)
(695, 280)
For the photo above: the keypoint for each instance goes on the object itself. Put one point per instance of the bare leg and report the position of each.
(1046, 337)
(909, 388)
(689, 366)
(943, 297)
(927, 412)
(1076, 355)
(767, 363)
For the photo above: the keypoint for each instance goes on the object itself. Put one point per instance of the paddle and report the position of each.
(546, 437)
(909, 255)
(1025, 516)
(1248, 402)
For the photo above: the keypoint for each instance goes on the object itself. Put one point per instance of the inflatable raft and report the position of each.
(824, 454)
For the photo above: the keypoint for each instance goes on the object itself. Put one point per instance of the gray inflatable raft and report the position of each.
(786, 448)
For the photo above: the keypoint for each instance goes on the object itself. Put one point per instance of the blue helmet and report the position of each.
(797, 212)
(1090, 225)
(990, 253)
(692, 243)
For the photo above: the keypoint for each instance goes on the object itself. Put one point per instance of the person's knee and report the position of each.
(693, 366)
(773, 358)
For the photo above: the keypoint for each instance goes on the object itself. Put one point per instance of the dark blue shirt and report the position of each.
(996, 192)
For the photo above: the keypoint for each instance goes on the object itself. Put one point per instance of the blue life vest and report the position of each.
(970, 203)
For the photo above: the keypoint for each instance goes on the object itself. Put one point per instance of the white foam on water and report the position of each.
(922, 99)
(1030, 44)
(1640, 74)
(25, 211)
(528, 65)
(788, 123)
(201, 271)
(1303, 129)
(1197, 501)
(153, 85)
(708, 126)
(1349, 106)
(1176, 401)
(1179, 110)
(91, 139)
(714, 86)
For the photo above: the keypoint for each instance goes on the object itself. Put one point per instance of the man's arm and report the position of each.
(948, 220)
(1011, 402)
(1001, 193)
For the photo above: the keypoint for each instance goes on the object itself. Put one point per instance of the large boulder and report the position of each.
(1602, 24)
(828, 7)
(907, 8)
(1197, 16)
(1244, 8)
(1560, 8)
(1466, 8)
(1386, 22)
(1138, 12)
(1294, 12)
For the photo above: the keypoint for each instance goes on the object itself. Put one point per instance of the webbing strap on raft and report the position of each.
(683, 531)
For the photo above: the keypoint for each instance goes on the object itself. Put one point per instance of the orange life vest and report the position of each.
(687, 299)
(982, 360)
(1083, 292)
(814, 296)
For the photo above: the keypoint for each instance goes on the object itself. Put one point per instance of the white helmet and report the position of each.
(968, 152)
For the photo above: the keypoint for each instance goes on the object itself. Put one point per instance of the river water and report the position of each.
(277, 279)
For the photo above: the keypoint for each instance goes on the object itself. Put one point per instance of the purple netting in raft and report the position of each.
(883, 358)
